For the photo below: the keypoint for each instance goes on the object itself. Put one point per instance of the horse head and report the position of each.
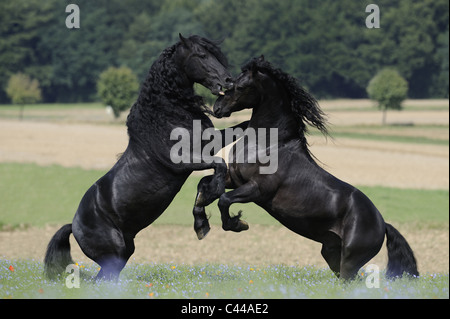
(204, 63)
(246, 92)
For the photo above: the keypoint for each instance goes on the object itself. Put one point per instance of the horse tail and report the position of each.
(58, 256)
(400, 255)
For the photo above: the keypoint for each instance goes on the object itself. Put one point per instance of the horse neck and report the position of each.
(274, 112)
(166, 80)
(167, 95)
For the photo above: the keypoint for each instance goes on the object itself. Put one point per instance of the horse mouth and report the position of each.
(218, 90)
(218, 112)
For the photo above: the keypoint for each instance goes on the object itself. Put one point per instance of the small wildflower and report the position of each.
(207, 294)
(250, 281)
(173, 267)
(151, 294)
(41, 291)
(149, 285)
(11, 268)
(251, 269)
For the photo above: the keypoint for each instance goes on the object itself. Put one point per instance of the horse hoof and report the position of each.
(242, 225)
(202, 232)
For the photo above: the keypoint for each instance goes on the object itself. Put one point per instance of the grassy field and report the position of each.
(24, 279)
(33, 195)
(38, 196)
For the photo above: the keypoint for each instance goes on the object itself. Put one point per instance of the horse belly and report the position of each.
(303, 214)
(139, 207)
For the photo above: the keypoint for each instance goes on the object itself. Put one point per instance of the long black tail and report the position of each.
(58, 256)
(400, 254)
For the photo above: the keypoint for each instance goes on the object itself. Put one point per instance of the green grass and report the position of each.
(392, 133)
(25, 280)
(33, 195)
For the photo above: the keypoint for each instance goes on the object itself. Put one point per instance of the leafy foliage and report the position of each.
(117, 87)
(324, 43)
(389, 89)
(23, 90)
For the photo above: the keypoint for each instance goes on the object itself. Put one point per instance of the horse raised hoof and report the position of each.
(202, 232)
(236, 224)
(242, 225)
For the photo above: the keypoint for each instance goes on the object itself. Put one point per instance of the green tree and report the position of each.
(149, 34)
(22, 23)
(21, 89)
(117, 87)
(389, 89)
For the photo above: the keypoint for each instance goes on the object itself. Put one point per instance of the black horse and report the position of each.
(144, 181)
(300, 194)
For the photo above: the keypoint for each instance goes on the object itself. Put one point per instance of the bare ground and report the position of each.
(360, 162)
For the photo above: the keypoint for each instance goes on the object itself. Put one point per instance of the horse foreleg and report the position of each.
(248, 192)
(201, 224)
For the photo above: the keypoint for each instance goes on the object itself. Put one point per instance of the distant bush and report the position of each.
(117, 87)
(389, 89)
(21, 89)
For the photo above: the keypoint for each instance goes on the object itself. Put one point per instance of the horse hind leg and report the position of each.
(357, 253)
(108, 247)
(331, 252)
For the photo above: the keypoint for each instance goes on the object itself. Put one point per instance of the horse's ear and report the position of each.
(261, 58)
(186, 42)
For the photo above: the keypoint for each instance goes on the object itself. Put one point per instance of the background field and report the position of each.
(49, 160)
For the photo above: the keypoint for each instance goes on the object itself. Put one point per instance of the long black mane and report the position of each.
(303, 105)
(164, 96)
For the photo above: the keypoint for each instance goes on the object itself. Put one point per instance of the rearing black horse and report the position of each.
(144, 181)
(300, 194)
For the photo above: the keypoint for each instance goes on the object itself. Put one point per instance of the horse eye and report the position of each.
(202, 56)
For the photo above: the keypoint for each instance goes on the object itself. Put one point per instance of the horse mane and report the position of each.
(212, 47)
(304, 106)
(161, 94)
(162, 85)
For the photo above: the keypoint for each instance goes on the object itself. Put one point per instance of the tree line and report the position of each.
(324, 43)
